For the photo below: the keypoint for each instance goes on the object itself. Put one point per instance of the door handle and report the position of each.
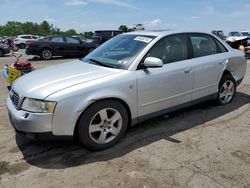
(187, 70)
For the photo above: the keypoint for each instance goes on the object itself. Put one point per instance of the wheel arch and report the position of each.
(93, 101)
(227, 72)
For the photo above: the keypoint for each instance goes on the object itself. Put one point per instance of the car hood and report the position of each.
(43, 82)
(236, 38)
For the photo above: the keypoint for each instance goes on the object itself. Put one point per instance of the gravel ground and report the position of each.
(202, 146)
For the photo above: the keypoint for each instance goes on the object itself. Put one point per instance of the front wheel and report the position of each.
(227, 88)
(102, 124)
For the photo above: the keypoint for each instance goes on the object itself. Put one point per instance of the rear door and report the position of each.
(58, 45)
(208, 63)
(75, 47)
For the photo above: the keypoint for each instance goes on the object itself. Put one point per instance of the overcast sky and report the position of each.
(90, 15)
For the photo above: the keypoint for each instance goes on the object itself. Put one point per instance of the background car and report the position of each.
(4, 49)
(102, 36)
(21, 40)
(136, 27)
(50, 46)
(89, 43)
(220, 34)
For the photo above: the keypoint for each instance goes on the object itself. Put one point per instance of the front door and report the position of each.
(170, 85)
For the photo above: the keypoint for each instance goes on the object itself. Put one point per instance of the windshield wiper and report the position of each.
(100, 63)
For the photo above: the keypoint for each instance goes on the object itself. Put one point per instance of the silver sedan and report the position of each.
(129, 79)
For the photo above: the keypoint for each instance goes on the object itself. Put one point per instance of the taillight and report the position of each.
(30, 42)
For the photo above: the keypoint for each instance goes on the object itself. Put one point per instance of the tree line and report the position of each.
(13, 28)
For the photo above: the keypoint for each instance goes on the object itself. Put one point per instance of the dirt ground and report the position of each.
(203, 146)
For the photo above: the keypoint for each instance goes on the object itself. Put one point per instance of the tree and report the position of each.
(45, 28)
(123, 28)
(70, 32)
(88, 35)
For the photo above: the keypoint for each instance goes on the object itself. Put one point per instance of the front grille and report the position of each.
(14, 98)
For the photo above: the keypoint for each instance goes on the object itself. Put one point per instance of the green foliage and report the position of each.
(13, 28)
(88, 35)
(70, 32)
(123, 28)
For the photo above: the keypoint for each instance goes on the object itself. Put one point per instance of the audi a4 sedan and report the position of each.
(129, 79)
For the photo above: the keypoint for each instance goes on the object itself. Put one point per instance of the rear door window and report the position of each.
(72, 40)
(203, 45)
(57, 39)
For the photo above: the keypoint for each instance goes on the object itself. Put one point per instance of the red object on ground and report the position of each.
(22, 64)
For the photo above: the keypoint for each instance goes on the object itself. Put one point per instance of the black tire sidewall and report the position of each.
(86, 117)
(22, 46)
(225, 78)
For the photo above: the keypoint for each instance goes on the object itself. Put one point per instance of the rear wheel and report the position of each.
(46, 54)
(102, 124)
(22, 46)
(227, 88)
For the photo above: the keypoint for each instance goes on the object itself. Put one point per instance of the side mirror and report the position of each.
(152, 62)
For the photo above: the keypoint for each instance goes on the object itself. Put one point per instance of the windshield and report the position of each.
(119, 52)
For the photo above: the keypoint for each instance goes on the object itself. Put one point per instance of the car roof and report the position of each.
(157, 33)
(24, 35)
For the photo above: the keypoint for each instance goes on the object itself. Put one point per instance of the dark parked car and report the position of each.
(50, 46)
(219, 34)
(104, 35)
(4, 49)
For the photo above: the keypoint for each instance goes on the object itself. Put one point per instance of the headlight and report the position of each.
(40, 106)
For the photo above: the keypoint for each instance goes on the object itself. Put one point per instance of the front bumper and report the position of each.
(27, 121)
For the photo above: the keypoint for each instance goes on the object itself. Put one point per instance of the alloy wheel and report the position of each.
(46, 54)
(105, 126)
(227, 92)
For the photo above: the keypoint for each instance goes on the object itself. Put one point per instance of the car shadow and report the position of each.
(60, 153)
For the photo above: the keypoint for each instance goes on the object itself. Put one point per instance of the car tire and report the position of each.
(1, 53)
(22, 46)
(46, 54)
(226, 90)
(102, 124)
